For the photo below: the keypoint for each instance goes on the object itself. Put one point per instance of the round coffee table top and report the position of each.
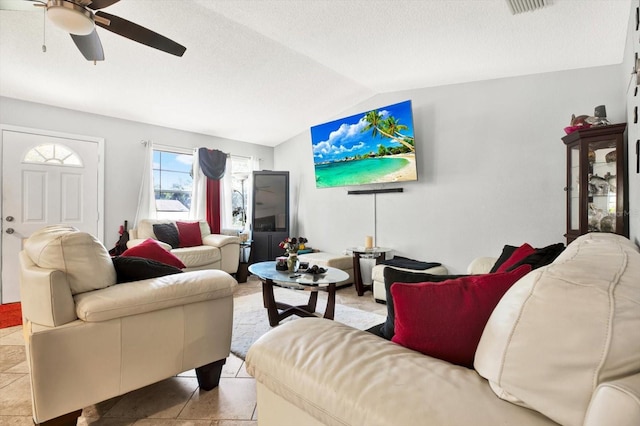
(268, 271)
(369, 250)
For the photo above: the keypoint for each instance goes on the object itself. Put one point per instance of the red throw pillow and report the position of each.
(445, 320)
(519, 254)
(150, 249)
(189, 234)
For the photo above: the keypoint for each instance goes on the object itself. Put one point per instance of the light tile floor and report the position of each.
(173, 402)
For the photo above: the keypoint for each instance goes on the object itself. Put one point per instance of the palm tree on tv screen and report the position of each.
(387, 128)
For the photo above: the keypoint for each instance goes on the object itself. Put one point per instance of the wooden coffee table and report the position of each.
(277, 311)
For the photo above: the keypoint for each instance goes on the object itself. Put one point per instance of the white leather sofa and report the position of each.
(377, 275)
(561, 347)
(216, 252)
(89, 339)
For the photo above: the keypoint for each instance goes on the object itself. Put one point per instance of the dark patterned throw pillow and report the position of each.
(167, 233)
(129, 268)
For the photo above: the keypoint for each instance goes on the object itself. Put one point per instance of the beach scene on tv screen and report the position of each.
(375, 146)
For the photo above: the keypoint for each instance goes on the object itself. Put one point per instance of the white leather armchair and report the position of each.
(88, 339)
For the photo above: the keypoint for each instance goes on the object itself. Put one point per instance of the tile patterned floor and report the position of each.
(173, 402)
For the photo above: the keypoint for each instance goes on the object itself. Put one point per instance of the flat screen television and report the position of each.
(375, 146)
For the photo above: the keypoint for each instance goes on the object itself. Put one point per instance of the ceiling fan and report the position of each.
(78, 18)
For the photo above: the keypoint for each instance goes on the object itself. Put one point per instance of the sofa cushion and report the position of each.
(445, 320)
(565, 328)
(144, 228)
(519, 254)
(343, 376)
(197, 256)
(167, 233)
(80, 255)
(392, 276)
(150, 249)
(204, 228)
(154, 294)
(189, 234)
(130, 268)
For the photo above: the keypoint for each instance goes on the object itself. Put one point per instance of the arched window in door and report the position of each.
(53, 154)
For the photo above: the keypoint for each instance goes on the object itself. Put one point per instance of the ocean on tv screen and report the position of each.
(368, 170)
(376, 146)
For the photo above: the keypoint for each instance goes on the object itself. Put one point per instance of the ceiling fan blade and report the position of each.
(101, 4)
(89, 45)
(140, 34)
(20, 5)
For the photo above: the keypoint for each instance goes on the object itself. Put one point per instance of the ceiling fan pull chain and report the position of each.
(44, 30)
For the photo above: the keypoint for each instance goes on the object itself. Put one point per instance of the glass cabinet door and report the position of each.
(573, 188)
(602, 186)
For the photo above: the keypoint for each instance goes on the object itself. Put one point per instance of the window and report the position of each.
(241, 170)
(53, 154)
(172, 183)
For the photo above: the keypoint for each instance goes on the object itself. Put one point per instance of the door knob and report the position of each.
(9, 231)
(9, 218)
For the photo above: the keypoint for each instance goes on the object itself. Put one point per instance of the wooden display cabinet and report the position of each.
(596, 181)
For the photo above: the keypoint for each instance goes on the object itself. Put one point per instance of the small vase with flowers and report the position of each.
(291, 245)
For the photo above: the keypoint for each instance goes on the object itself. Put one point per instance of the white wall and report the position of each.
(123, 150)
(491, 165)
(491, 168)
(633, 129)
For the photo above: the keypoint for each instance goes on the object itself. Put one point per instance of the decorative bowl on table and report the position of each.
(316, 270)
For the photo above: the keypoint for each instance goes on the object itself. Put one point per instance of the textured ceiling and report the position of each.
(262, 71)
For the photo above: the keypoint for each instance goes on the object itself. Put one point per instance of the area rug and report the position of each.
(250, 317)
(10, 315)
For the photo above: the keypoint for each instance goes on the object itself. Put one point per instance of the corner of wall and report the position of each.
(632, 89)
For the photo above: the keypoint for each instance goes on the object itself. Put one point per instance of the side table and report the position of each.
(364, 259)
(243, 265)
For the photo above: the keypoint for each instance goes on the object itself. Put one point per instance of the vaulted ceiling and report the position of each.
(262, 71)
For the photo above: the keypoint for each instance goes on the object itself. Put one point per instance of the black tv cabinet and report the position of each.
(270, 217)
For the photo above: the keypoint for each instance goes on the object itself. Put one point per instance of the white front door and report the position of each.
(47, 178)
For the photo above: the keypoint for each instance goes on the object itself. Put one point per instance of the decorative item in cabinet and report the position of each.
(596, 181)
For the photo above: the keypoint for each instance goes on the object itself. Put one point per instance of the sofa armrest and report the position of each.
(218, 240)
(134, 242)
(229, 247)
(481, 265)
(46, 295)
(615, 403)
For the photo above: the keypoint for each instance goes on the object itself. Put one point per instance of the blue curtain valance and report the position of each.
(212, 162)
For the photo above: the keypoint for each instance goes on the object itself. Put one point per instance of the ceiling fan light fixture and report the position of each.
(70, 17)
